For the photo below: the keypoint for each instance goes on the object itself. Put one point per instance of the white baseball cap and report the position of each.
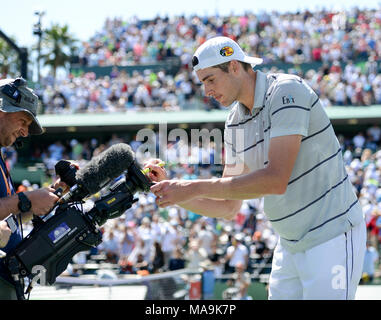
(219, 50)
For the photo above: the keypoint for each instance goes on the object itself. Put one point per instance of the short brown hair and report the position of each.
(225, 66)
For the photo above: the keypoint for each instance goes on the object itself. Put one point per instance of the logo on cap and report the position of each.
(226, 51)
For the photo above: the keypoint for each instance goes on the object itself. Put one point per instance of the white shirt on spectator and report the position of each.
(169, 239)
(359, 140)
(206, 239)
(240, 254)
(370, 259)
(374, 132)
(110, 245)
(195, 256)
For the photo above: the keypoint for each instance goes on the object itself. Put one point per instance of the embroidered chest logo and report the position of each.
(288, 99)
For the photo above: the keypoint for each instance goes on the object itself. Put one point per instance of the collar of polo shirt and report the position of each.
(259, 94)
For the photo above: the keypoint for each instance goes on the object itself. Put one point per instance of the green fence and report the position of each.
(170, 66)
(34, 174)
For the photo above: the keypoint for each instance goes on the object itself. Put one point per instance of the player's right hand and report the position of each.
(157, 173)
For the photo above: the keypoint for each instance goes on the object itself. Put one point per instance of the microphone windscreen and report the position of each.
(66, 170)
(61, 167)
(105, 167)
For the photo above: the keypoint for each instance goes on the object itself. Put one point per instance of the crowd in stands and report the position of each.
(146, 239)
(297, 37)
(350, 85)
(347, 44)
(119, 92)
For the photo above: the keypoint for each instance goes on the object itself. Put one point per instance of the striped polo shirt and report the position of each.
(319, 203)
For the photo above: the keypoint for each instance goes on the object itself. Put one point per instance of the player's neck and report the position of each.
(247, 91)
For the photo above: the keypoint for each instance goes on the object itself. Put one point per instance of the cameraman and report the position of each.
(18, 109)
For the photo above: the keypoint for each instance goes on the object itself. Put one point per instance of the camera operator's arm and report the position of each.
(8, 205)
(42, 201)
(5, 233)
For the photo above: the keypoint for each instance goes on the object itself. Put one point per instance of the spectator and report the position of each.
(127, 242)
(141, 264)
(373, 228)
(169, 242)
(217, 259)
(111, 247)
(370, 261)
(359, 140)
(236, 254)
(195, 255)
(177, 260)
(158, 259)
(241, 280)
(374, 133)
(258, 247)
(141, 252)
(206, 237)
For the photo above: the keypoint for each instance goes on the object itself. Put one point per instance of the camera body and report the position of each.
(54, 242)
(57, 237)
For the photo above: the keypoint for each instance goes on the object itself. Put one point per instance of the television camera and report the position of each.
(68, 229)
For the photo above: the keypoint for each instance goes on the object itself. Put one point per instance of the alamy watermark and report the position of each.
(339, 280)
(39, 277)
(193, 146)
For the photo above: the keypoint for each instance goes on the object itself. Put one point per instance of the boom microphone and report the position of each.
(99, 171)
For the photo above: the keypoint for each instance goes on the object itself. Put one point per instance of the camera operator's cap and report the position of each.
(15, 96)
(219, 50)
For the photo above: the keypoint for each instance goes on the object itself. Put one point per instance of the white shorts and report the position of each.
(329, 271)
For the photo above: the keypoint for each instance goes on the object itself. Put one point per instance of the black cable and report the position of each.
(30, 287)
(13, 267)
(22, 237)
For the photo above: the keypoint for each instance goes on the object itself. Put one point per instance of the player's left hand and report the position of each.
(171, 192)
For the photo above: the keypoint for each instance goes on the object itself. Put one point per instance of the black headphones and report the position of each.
(10, 89)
